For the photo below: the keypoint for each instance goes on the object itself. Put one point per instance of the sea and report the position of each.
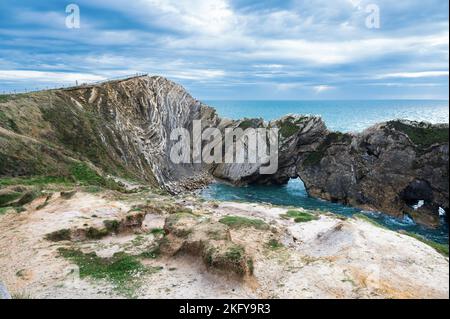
(344, 116)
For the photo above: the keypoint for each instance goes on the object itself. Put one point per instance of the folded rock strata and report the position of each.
(122, 128)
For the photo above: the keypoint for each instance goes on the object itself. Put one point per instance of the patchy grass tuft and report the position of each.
(157, 232)
(122, 270)
(274, 244)
(298, 216)
(152, 253)
(238, 222)
(59, 235)
(112, 226)
(34, 181)
(422, 135)
(8, 198)
(4, 210)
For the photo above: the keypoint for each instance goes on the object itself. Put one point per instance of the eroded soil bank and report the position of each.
(86, 244)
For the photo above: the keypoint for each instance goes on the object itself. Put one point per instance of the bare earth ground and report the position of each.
(330, 257)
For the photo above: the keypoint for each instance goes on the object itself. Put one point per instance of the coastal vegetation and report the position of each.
(423, 135)
(238, 222)
(122, 270)
(299, 216)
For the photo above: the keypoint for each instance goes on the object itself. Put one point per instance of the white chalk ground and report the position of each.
(325, 258)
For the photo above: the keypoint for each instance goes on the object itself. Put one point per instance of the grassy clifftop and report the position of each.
(46, 133)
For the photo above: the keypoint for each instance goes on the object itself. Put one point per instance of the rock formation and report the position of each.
(122, 128)
(390, 167)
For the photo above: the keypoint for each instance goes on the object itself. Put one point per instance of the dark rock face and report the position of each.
(384, 169)
(389, 167)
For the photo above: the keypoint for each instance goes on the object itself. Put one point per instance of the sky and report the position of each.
(233, 49)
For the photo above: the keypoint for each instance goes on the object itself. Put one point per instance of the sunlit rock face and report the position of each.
(123, 128)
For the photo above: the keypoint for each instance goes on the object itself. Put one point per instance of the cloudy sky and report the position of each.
(234, 49)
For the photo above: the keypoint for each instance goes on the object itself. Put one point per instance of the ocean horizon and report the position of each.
(338, 115)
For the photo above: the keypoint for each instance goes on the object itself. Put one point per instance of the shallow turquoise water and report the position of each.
(346, 116)
(294, 194)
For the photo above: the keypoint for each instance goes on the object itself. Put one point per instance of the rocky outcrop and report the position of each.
(396, 167)
(122, 128)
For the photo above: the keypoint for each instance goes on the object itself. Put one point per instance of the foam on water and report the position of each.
(344, 116)
(294, 194)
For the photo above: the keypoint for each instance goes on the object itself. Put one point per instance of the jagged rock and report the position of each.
(123, 128)
(388, 167)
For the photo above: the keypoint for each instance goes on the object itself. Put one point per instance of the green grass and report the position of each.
(152, 253)
(440, 248)
(95, 233)
(92, 189)
(84, 174)
(299, 217)
(238, 222)
(18, 199)
(3, 210)
(4, 98)
(7, 122)
(274, 244)
(112, 225)
(59, 235)
(9, 197)
(157, 232)
(288, 128)
(34, 181)
(423, 136)
(79, 172)
(19, 209)
(122, 270)
(235, 253)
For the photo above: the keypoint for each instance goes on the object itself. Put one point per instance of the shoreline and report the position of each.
(281, 250)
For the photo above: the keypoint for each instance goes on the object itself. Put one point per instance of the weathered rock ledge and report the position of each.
(389, 167)
(122, 128)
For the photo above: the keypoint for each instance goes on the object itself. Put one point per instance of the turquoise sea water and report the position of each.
(345, 116)
(348, 116)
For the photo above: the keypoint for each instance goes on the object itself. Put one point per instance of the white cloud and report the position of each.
(49, 77)
(414, 75)
(196, 74)
(288, 86)
(322, 88)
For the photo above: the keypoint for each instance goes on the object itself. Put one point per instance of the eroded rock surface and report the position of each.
(123, 128)
(389, 167)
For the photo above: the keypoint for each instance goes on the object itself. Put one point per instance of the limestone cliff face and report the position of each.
(123, 128)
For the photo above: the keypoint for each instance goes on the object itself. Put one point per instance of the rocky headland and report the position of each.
(122, 128)
(86, 181)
